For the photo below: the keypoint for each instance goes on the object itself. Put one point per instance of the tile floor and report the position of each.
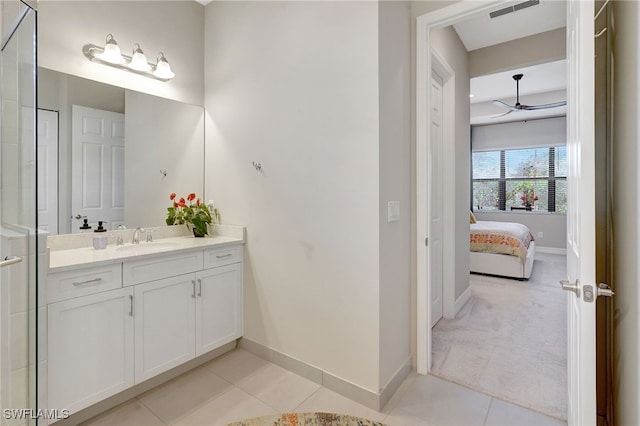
(239, 385)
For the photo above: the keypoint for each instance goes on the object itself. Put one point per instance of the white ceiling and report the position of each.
(541, 84)
(483, 31)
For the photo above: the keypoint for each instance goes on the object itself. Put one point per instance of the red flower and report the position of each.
(175, 204)
(198, 202)
(182, 203)
(172, 196)
(191, 196)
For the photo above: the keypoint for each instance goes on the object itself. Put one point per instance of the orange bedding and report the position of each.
(500, 237)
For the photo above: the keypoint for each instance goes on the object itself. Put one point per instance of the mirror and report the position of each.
(161, 151)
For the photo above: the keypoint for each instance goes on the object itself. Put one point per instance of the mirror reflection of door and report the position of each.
(97, 168)
(48, 171)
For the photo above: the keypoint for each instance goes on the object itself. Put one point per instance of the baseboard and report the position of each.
(337, 384)
(551, 250)
(460, 301)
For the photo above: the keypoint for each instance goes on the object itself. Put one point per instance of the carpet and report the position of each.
(510, 339)
(307, 419)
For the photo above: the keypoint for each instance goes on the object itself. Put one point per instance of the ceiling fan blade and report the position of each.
(504, 104)
(545, 106)
(502, 115)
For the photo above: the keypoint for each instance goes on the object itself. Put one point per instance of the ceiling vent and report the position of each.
(514, 8)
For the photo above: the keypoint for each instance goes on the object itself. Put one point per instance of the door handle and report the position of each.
(131, 305)
(566, 285)
(199, 287)
(10, 260)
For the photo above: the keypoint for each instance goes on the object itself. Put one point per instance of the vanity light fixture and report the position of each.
(137, 62)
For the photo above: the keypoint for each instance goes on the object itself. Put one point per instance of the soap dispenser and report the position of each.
(100, 241)
(85, 225)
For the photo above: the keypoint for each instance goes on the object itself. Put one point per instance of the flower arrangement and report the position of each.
(192, 213)
(528, 197)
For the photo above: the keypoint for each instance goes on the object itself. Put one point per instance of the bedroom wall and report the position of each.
(451, 48)
(537, 49)
(626, 230)
(552, 225)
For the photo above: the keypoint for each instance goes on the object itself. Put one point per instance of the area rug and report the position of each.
(307, 419)
(510, 339)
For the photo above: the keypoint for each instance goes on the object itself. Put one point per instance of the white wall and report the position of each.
(626, 227)
(294, 86)
(395, 185)
(447, 43)
(175, 28)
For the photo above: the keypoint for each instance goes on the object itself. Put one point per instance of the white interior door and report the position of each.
(581, 213)
(48, 171)
(435, 210)
(97, 167)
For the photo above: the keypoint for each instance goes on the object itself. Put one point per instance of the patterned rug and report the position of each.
(307, 419)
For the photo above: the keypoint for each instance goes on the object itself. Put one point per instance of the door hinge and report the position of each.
(426, 242)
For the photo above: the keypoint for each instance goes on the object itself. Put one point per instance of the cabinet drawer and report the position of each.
(155, 268)
(82, 282)
(222, 256)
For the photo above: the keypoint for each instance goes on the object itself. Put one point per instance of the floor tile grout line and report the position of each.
(486, 416)
(153, 413)
(183, 415)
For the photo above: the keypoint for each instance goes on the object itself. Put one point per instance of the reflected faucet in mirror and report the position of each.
(136, 235)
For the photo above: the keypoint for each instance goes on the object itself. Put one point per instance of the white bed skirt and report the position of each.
(502, 264)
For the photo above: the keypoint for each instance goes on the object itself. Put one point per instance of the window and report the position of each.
(513, 179)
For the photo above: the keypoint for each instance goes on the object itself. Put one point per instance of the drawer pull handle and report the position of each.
(193, 283)
(131, 307)
(224, 255)
(199, 287)
(95, 280)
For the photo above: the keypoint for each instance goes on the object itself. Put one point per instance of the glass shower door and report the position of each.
(18, 227)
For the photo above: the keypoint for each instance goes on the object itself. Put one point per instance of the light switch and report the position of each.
(393, 211)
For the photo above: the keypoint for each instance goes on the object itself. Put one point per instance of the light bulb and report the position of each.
(111, 52)
(138, 60)
(163, 69)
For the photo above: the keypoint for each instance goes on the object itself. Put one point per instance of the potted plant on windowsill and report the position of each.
(192, 213)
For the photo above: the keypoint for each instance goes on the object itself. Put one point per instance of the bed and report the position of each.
(501, 248)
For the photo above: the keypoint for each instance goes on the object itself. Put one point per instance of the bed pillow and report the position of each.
(472, 217)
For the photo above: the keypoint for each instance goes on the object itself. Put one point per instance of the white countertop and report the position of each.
(63, 260)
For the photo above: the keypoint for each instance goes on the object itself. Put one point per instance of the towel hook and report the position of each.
(163, 173)
(257, 165)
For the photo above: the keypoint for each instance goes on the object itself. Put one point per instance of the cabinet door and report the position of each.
(218, 307)
(164, 324)
(90, 348)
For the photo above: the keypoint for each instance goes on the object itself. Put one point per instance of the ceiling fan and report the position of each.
(520, 107)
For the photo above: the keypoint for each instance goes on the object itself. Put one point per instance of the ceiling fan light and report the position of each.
(111, 53)
(139, 60)
(163, 69)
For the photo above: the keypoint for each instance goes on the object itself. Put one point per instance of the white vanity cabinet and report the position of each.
(188, 315)
(218, 307)
(90, 348)
(114, 325)
(165, 333)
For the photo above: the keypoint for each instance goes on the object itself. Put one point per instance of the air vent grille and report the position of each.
(514, 8)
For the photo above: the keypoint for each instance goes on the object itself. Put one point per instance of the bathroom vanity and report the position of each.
(119, 316)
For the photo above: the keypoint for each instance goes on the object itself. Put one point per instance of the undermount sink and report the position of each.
(144, 247)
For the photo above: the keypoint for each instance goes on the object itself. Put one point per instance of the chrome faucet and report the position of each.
(119, 240)
(136, 235)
